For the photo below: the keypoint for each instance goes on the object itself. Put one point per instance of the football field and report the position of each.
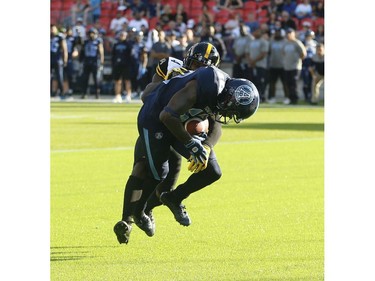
(263, 220)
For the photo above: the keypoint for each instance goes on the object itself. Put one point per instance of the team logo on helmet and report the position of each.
(244, 95)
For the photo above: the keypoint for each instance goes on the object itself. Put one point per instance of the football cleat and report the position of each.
(178, 210)
(122, 230)
(145, 223)
(152, 219)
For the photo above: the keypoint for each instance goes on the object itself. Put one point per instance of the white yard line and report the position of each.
(220, 143)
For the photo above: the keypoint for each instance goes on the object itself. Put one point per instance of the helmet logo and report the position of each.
(244, 95)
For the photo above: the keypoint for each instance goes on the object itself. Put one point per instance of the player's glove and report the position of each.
(197, 151)
(195, 167)
(176, 71)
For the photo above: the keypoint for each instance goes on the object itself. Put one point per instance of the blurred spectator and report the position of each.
(79, 30)
(180, 11)
(138, 21)
(251, 21)
(159, 50)
(206, 17)
(79, 9)
(306, 26)
(276, 67)
(257, 52)
(58, 60)
(94, 11)
(208, 35)
(319, 34)
(272, 19)
(153, 36)
(121, 67)
(294, 52)
(166, 15)
(232, 5)
(290, 6)
(317, 72)
(178, 44)
(139, 57)
(318, 10)
(92, 56)
(154, 7)
(240, 43)
(303, 10)
(287, 21)
(180, 25)
(231, 28)
(278, 6)
(117, 22)
(122, 5)
(310, 45)
(190, 39)
(71, 44)
(137, 6)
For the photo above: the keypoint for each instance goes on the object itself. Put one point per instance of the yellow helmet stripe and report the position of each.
(208, 51)
(160, 72)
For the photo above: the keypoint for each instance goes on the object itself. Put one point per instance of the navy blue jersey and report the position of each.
(210, 81)
(71, 42)
(56, 50)
(91, 49)
(121, 52)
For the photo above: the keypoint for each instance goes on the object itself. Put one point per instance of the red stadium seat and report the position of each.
(56, 6)
(250, 5)
(319, 21)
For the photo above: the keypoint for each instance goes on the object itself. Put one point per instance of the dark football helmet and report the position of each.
(238, 101)
(203, 53)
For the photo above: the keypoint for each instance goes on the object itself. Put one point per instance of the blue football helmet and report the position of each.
(238, 101)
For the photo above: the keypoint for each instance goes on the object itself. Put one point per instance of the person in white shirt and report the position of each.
(117, 22)
(138, 21)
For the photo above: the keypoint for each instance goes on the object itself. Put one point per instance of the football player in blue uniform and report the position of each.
(208, 91)
(59, 59)
(92, 54)
(135, 194)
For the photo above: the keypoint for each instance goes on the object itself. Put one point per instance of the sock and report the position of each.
(133, 190)
(149, 186)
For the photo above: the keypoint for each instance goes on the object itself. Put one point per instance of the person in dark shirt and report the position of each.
(122, 66)
(71, 43)
(59, 59)
(317, 72)
(92, 55)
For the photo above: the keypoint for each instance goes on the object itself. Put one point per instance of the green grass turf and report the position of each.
(263, 220)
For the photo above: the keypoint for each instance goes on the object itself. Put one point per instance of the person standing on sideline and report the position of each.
(59, 59)
(92, 55)
(294, 52)
(276, 69)
(240, 43)
(310, 45)
(257, 53)
(122, 67)
(71, 43)
(317, 73)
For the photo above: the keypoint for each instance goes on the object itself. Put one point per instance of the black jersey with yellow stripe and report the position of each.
(169, 67)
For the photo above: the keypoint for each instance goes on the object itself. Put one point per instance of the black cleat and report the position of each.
(122, 230)
(178, 210)
(152, 219)
(145, 223)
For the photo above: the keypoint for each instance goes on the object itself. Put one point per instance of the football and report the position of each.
(195, 126)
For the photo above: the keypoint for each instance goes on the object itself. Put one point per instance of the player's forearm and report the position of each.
(175, 126)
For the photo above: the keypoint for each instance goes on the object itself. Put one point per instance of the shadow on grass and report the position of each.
(279, 126)
(71, 253)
